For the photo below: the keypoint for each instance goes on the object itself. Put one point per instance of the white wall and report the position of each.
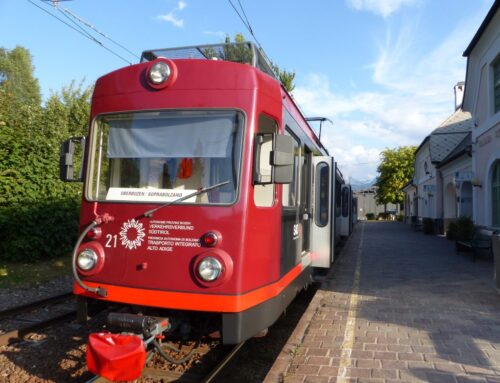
(479, 100)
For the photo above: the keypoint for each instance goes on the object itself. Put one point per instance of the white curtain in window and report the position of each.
(172, 137)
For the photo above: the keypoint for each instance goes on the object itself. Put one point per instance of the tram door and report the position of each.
(305, 199)
(323, 214)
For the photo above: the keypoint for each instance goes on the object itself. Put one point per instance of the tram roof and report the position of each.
(244, 53)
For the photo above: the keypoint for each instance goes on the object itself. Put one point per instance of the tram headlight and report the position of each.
(87, 259)
(159, 73)
(209, 269)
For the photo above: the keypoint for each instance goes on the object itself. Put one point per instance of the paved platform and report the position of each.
(399, 306)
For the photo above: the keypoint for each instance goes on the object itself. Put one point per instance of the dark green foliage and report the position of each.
(241, 53)
(38, 212)
(370, 216)
(460, 230)
(452, 231)
(465, 229)
(286, 78)
(382, 216)
(428, 226)
(17, 80)
(395, 170)
(38, 230)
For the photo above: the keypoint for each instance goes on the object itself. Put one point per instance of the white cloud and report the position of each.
(172, 17)
(411, 94)
(358, 162)
(216, 33)
(181, 5)
(383, 8)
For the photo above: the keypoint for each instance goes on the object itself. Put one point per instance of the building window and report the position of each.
(496, 85)
(495, 194)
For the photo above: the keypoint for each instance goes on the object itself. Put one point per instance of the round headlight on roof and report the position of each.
(159, 72)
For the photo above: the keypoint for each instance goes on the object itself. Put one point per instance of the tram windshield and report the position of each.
(163, 156)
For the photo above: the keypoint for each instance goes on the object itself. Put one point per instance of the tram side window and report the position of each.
(322, 194)
(345, 202)
(338, 197)
(289, 197)
(264, 194)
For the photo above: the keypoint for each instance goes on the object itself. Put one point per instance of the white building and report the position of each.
(367, 203)
(440, 160)
(482, 100)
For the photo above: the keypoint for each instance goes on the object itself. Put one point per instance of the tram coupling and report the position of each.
(122, 355)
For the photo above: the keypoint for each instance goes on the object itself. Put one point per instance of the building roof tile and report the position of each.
(447, 136)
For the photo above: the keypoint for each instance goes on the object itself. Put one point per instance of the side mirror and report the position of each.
(273, 159)
(282, 159)
(72, 151)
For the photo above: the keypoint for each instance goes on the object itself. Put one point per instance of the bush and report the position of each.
(465, 229)
(400, 218)
(428, 226)
(451, 232)
(382, 216)
(38, 230)
(370, 216)
(38, 212)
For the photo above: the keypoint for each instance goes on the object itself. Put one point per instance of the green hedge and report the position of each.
(38, 230)
(38, 212)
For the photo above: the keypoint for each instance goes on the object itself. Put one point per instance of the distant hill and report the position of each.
(362, 185)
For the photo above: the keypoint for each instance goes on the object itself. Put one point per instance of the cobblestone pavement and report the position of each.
(399, 306)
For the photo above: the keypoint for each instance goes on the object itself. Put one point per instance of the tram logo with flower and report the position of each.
(132, 234)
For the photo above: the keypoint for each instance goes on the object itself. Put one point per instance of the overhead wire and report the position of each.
(77, 25)
(238, 13)
(246, 18)
(245, 21)
(87, 24)
(85, 34)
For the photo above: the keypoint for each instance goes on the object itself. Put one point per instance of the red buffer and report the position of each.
(116, 357)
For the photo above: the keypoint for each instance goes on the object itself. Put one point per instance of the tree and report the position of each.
(285, 77)
(17, 81)
(395, 170)
(241, 53)
(38, 212)
(238, 51)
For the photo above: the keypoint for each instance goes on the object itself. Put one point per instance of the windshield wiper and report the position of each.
(149, 213)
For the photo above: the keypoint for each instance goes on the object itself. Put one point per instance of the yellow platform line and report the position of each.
(345, 357)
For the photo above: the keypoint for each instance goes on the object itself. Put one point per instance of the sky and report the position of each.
(382, 70)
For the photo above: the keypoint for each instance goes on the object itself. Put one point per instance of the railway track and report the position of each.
(186, 376)
(19, 321)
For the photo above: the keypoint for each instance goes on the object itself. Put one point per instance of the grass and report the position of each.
(30, 274)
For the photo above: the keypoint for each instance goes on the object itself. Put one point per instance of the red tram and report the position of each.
(208, 198)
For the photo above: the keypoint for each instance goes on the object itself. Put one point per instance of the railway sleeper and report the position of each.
(122, 355)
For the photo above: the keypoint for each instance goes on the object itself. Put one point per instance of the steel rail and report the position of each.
(34, 305)
(213, 374)
(170, 376)
(14, 335)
